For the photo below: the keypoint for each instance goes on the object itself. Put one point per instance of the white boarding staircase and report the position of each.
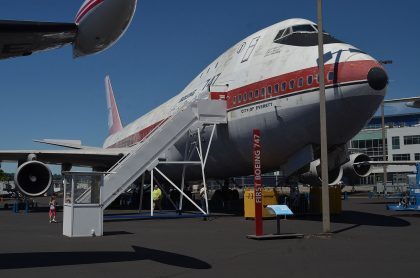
(145, 157)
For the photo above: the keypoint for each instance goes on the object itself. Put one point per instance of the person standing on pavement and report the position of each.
(53, 209)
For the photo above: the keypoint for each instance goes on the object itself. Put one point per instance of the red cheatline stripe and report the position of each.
(87, 8)
(343, 72)
(358, 72)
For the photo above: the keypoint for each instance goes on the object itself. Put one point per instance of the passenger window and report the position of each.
(269, 91)
(250, 95)
(310, 79)
(291, 84)
(234, 100)
(276, 88)
(263, 92)
(239, 98)
(283, 86)
(245, 95)
(331, 76)
(300, 82)
(256, 93)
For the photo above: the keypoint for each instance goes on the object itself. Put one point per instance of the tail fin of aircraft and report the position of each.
(114, 121)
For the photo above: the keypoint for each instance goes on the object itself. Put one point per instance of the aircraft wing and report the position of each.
(22, 38)
(70, 144)
(82, 157)
(382, 163)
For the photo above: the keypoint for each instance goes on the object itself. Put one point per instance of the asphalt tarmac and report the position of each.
(367, 241)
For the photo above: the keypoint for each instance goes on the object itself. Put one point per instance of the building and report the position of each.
(402, 143)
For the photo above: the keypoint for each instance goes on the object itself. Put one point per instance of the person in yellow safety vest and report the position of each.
(157, 198)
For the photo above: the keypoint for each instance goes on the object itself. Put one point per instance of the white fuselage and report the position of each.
(288, 113)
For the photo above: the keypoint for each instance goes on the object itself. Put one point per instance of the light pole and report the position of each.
(326, 224)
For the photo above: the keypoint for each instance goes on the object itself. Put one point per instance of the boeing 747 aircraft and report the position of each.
(98, 25)
(269, 81)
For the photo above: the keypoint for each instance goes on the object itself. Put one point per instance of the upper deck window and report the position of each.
(256, 94)
(263, 92)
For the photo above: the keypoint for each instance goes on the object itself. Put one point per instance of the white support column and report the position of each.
(202, 170)
(177, 188)
(183, 174)
(151, 193)
(141, 191)
(210, 141)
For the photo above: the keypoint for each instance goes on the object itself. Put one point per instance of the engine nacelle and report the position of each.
(33, 178)
(101, 23)
(313, 174)
(355, 168)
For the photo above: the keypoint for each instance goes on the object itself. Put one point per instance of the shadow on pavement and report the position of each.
(358, 218)
(46, 259)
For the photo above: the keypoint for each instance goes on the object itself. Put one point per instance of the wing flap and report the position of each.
(85, 158)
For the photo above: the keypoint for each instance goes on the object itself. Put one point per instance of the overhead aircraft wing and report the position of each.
(83, 157)
(22, 38)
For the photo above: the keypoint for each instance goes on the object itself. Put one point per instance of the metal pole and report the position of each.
(200, 154)
(151, 192)
(141, 192)
(384, 147)
(326, 225)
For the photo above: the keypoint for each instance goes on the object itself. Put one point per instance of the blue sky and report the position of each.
(51, 95)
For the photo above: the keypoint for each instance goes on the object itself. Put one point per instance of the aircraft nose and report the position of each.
(377, 78)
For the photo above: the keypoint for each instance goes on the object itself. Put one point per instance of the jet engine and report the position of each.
(313, 173)
(100, 24)
(357, 167)
(33, 178)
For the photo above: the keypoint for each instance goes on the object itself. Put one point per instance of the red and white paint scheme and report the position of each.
(98, 25)
(270, 83)
(101, 23)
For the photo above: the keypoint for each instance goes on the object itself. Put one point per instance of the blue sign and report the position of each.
(279, 210)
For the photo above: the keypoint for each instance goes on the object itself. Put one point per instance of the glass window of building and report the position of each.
(401, 157)
(417, 156)
(395, 143)
(412, 140)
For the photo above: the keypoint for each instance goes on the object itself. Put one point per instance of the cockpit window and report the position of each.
(304, 28)
(302, 35)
